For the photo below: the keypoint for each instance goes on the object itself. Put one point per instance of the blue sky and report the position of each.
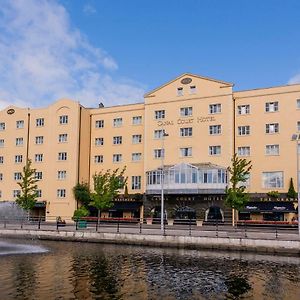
(118, 50)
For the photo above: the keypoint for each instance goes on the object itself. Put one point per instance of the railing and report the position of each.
(174, 227)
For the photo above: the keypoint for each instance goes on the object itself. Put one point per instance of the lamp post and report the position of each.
(296, 137)
(162, 215)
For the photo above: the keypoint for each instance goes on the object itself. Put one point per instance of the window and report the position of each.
(298, 105)
(1, 159)
(186, 131)
(117, 140)
(214, 150)
(19, 141)
(38, 157)
(137, 120)
(1, 142)
(244, 109)
(180, 91)
(63, 119)
(16, 193)
(272, 179)
(99, 141)
(186, 152)
(39, 193)
(17, 176)
(61, 174)
(244, 130)
(98, 159)
(244, 151)
(2, 126)
(136, 182)
(158, 134)
(61, 193)
(40, 122)
(215, 108)
(38, 175)
(159, 153)
(272, 149)
(99, 123)
(117, 122)
(117, 158)
(136, 138)
(39, 140)
(272, 106)
(159, 114)
(214, 129)
(1, 176)
(193, 89)
(272, 128)
(136, 156)
(63, 138)
(62, 156)
(186, 111)
(18, 158)
(20, 124)
(0, 194)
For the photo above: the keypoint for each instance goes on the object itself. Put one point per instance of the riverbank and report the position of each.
(273, 246)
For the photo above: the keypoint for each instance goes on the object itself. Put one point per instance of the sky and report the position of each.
(115, 51)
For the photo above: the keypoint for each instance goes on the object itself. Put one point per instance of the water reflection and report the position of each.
(95, 271)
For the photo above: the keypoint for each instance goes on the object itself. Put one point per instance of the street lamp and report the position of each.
(162, 215)
(296, 137)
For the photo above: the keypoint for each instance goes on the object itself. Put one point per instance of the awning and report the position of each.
(270, 207)
(126, 206)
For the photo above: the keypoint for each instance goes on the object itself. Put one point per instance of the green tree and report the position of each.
(28, 195)
(236, 195)
(291, 192)
(82, 194)
(106, 187)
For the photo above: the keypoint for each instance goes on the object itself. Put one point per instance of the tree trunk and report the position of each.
(98, 220)
(233, 217)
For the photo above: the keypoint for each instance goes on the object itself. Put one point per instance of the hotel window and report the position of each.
(16, 193)
(40, 122)
(188, 131)
(0, 194)
(61, 193)
(117, 158)
(137, 120)
(38, 175)
(244, 130)
(272, 179)
(298, 125)
(136, 138)
(159, 114)
(18, 158)
(38, 157)
(244, 151)
(186, 111)
(215, 108)
(17, 176)
(159, 153)
(98, 159)
(117, 122)
(62, 156)
(180, 91)
(99, 123)
(186, 152)
(272, 106)
(193, 89)
(39, 140)
(244, 109)
(63, 138)
(1, 143)
(1, 176)
(298, 105)
(99, 141)
(20, 124)
(272, 128)
(2, 126)
(136, 156)
(19, 141)
(214, 129)
(117, 140)
(39, 193)
(272, 149)
(63, 119)
(136, 182)
(214, 150)
(1, 159)
(61, 174)
(158, 134)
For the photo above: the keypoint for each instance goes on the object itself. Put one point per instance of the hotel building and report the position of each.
(190, 127)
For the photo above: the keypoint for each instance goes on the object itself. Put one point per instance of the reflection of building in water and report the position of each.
(192, 125)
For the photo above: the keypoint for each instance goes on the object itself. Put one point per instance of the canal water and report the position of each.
(66, 270)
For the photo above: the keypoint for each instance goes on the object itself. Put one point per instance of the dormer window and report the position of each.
(180, 91)
(193, 89)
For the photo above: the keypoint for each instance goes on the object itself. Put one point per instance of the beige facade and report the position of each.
(204, 122)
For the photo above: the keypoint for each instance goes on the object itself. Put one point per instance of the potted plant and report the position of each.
(79, 214)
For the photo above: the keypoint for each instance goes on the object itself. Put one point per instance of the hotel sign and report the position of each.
(184, 121)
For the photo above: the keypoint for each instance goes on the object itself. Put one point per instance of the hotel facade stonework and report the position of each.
(190, 127)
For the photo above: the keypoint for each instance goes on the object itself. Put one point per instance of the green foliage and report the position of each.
(273, 194)
(82, 193)
(291, 192)
(236, 196)
(28, 195)
(80, 212)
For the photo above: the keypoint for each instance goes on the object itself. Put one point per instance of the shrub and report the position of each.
(273, 194)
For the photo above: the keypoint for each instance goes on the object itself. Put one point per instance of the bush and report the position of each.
(292, 193)
(80, 212)
(273, 194)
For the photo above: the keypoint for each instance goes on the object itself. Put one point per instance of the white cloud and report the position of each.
(294, 79)
(88, 9)
(44, 58)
